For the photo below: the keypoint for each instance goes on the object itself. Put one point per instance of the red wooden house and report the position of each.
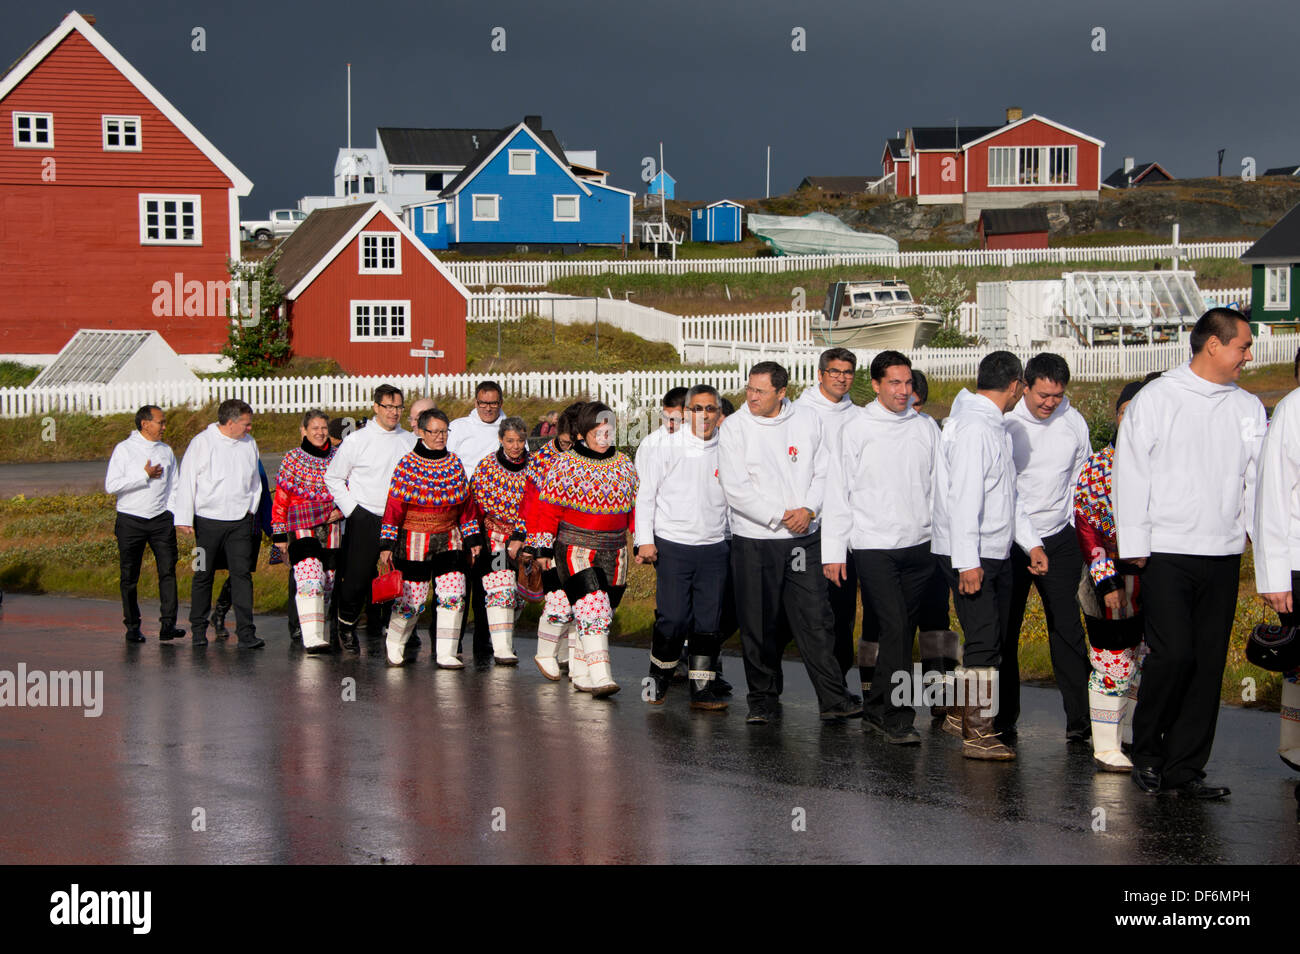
(362, 289)
(1028, 159)
(1013, 228)
(115, 212)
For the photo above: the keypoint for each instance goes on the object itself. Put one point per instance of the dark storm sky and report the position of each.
(716, 81)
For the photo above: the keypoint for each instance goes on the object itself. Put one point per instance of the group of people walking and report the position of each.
(771, 521)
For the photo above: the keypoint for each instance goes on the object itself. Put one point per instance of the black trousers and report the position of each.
(689, 587)
(133, 535)
(782, 579)
(1189, 603)
(231, 538)
(478, 601)
(983, 615)
(934, 606)
(844, 610)
(254, 551)
(358, 564)
(897, 581)
(1058, 590)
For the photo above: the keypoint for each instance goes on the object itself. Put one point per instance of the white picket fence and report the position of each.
(539, 274)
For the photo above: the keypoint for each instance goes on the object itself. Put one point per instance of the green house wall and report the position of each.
(1257, 310)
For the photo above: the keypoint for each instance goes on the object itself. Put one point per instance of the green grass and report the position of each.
(526, 345)
(15, 375)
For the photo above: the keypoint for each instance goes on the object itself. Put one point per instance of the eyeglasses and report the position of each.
(837, 373)
(489, 403)
(704, 409)
(391, 407)
(440, 432)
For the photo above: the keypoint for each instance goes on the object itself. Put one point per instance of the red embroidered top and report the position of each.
(498, 486)
(429, 494)
(585, 489)
(301, 500)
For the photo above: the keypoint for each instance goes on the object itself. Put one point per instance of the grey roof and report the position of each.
(1119, 179)
(897, 148)
(92, 357)
(1282, 171)
(1013, 221)
(445, 147)
(944, 137)
(319, 232)
(1281, 243)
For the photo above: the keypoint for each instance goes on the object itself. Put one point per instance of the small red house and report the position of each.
(896, 160)
(115, 211)
(1013, 228)
(362, 289)
(1026, 160)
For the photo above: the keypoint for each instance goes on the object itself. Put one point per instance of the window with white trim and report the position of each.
(381, 321)
(170, 220)
(1033, 165)
(565, 208)
(1277, 288)
(430, 219)
(33, 130)
(523, 162)
(121, 133)
(381, 253)
(487, 208)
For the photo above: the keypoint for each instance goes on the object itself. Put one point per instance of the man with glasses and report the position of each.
(831, 402)
(681, 528)
(471, 438)
(358, 478)
(773, 463)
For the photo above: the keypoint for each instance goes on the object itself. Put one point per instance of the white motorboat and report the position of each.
(874, 315)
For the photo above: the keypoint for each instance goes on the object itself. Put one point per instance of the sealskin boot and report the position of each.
(978, 740)
(702, 677)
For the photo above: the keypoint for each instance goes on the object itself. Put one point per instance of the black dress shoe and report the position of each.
(1147, 780)
(1078, 735)
(758, 716)
(170, 632)
(295, 635)
(133, 635)
(348, 639)
(255, 643)
(1195, 788)
(907, 736)
(845, 710)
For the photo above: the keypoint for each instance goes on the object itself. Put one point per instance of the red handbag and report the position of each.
(386, 587)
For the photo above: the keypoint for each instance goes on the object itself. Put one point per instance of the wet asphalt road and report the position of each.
(77, 476)
(499, 765)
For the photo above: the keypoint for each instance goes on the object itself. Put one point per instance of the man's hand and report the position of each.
(283, 548)
(385, 561)
(970, 582)
(335, 515)
(1038, 561)
(797, 520)
(473, 553)
(513, 548)
(1138, 562)
(647, 553)
(153, 470)
(1280, 602)
(1115, 600)
(187, 531)
(834, 572)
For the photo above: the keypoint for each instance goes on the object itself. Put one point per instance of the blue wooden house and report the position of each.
(517, 191)
(663, 183)
(721, 221)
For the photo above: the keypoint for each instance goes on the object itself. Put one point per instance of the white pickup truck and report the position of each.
(280, 224)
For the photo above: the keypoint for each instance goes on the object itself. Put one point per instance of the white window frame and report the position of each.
(555, 209)
(49, 130)
(1277, 288)
(532, 162)
(370, 337)
(424, 220)
(496, 208)
(379, 268)
(121, 132)
(1006, 162)
(147, 197)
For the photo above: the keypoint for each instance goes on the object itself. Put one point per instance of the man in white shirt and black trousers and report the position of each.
(773, 462)
(216, 499)
(681, 528)
(976, 518)
(1185, 470)
(1051, 443)
(142, 472)
(878, 507)
(358, 479)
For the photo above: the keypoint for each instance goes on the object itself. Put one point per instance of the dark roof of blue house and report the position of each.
(497, 138)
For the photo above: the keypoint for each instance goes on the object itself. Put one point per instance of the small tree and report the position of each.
(947, 293)
(259, 335)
